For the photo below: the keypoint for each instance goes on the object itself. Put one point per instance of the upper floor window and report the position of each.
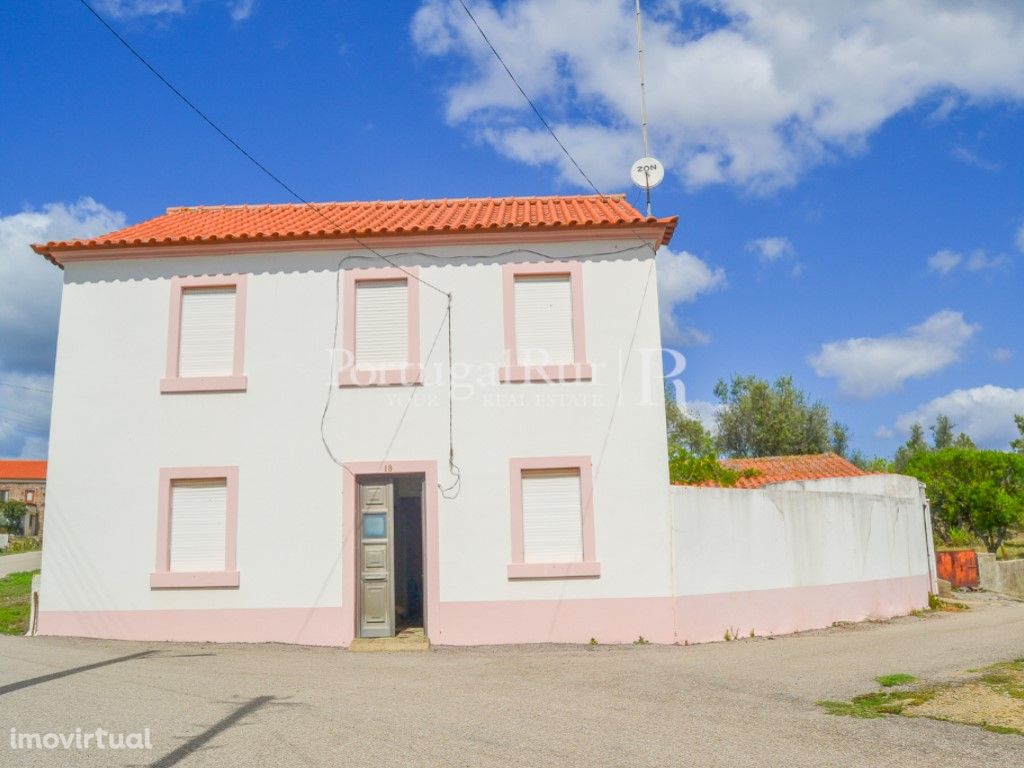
(5, 495)
(544, 331)
(381, 340)
(30, 495)
(206, 335)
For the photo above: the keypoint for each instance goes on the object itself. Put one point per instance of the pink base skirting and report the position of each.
(691, 619)
(303, 626)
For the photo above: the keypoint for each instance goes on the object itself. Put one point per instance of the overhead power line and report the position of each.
(21, 386)
(227, 137)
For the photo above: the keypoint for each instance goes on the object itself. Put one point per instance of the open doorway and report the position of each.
(389, 527)
(408, 552)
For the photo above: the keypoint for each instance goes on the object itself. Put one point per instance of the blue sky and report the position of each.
(847, 175)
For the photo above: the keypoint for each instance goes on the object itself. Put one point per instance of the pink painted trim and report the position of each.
(695, 618)
(692, 619)
(205, 384)
(350, 375)
(432, 568)
(580, 370)
(547, 373)
(191, 579)
(552, 570)
(163, 577)
(307, 626)
(588, 566)
(655, 234)
(237, 382)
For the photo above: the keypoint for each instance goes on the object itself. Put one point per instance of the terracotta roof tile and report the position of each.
(19, 469)
(781, 469)
(234, 223)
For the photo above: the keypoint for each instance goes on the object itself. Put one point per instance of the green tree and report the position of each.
(873, 464)
(914, 446)
(982, 491)
(12, 513)
(759, 418)
(942, 432)
(1018, 444)
(685, 431)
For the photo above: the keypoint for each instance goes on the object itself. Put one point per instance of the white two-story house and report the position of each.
(310, 424)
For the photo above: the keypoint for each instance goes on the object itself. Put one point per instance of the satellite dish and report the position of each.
(647, 172)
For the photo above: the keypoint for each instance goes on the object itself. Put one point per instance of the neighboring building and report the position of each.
(189, 446)
(253, 420)
(25, 480)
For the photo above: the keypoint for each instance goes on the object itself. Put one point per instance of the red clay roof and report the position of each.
(19, 469)
(234, 223)
(780, 469)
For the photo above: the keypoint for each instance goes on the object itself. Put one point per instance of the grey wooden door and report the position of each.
(375, 523)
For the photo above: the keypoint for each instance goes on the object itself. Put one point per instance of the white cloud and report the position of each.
(944, 261)
(984, 413)
(682, 277)
(968, 157)
(771, 249)
(29, 304)
(1002, 355)
(24, 414)
(241, 10)
(866, 367)
(128, 9)
(883, 433)
(773, 88)
(706, 413)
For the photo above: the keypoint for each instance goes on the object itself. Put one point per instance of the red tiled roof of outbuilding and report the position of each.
(22, 469)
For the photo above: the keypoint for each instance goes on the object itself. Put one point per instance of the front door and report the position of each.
(375, 529)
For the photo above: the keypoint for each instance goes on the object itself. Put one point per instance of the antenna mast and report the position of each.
(647, 172)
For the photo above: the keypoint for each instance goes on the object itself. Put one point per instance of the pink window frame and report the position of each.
(163, 577)
(513, 371)
(588, 566)
(236, 382)
(412, 372)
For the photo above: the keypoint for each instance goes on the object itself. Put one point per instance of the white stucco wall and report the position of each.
(735, 540)
(113, 430)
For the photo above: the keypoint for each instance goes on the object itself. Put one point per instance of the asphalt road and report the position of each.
(745, 703)
(23, 561)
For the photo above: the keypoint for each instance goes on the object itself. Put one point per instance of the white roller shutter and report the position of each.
(199, 511)
(382, 324)
(207, 344)
(544, 320)
(552, 517)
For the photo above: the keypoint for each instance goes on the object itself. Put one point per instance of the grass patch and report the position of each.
(990, 699)
(872, 705)
(15, 593)
(899, 678)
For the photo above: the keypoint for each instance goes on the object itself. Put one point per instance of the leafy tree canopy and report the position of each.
(1018, 444)
(759, 418)
(982, 491)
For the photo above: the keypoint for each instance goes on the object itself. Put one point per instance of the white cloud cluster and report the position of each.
(755, 98)
(946, 261)
(771, 249)
(29, 305)
(130, 9)
(239, 10)
(984, 413)
(682, 277)
(866, 367)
